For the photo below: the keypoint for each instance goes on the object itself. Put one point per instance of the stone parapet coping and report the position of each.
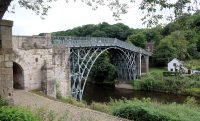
(6, 23)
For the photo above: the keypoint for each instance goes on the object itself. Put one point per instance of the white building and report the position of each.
(175, 65)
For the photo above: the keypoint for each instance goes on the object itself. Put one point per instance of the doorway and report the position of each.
(18, 76)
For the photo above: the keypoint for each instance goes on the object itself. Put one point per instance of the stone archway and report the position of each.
(18, 76)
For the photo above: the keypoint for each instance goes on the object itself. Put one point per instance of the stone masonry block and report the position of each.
(7, 56)
(8, 64)
(7, 71)
(1, 58)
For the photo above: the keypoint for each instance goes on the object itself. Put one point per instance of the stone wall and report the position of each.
(6, 76)
(61, 69)
(45, 66)
(31, 42)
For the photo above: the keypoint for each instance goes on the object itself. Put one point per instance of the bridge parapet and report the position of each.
(96, 42)
(30, 42)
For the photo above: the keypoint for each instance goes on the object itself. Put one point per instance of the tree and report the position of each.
(198, 46)
(178, 41)
(192, 52)
(164, 52)
(3, 7)
(153, 35)
(103, 71)
(98, 33)
(138, 40)
(149, 7)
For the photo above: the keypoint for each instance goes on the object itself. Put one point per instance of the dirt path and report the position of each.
(24, 98)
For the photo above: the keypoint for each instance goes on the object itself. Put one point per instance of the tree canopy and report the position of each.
(152, 9)
(119, 31)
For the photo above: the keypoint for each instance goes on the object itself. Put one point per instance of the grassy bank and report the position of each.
(145, 109)
(149, 110)
(187, 85)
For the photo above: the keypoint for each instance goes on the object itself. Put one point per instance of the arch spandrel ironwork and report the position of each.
(84, 51)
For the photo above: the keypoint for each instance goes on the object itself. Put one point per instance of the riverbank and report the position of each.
(144, 109)
(180, 84)
(149, 110)
(103, 94)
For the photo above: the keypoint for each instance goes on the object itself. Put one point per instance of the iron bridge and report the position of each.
(84, 51)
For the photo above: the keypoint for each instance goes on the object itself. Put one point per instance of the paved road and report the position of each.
(34, 101)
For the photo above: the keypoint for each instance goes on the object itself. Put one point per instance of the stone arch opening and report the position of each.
(18, 76)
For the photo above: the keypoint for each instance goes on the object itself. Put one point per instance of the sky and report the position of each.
(63, 16)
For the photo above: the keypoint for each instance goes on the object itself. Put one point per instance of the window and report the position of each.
(171, 69)
(36, 59)
(174, 64)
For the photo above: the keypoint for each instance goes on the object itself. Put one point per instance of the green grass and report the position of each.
(157, 69)
(149, 110)
(102, 107)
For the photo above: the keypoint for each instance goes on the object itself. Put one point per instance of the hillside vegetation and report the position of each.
(179, 39)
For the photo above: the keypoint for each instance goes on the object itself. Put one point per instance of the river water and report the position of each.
(103, 93)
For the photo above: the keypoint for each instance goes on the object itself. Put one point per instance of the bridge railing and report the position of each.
(95, 42)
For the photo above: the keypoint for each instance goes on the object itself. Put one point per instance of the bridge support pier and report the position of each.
(139, 68)
(147, 63)
(6, 64)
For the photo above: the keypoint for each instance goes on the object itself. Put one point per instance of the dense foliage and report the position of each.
(151, 110)
(3, 103)
(16, 114)
(179, 39)
(192, 64)
(148, 110)
(103, 71)
(173, 84)
(119, 31)
(12, 113)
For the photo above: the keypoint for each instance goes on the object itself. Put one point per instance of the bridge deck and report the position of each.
(96, 42)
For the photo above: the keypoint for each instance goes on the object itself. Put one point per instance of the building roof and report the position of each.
(181, 62)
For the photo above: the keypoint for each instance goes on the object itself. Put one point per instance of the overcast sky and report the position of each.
(63, 16)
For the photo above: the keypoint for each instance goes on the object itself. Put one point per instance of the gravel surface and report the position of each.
(24, 98)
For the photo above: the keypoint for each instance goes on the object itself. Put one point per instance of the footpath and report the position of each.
(28, 99)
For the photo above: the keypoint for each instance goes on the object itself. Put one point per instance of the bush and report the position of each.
(16, 114)
(137, 113)
(173, 84)
(148, 110)
(3, 102)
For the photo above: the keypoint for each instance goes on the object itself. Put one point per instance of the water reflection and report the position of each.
(102, 93)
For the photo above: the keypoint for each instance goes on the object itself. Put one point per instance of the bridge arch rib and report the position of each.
(85, 50)
(83, 59)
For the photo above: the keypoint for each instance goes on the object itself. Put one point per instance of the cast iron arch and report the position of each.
(83, 59)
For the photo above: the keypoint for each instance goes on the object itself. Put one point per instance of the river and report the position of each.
(103, 93)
